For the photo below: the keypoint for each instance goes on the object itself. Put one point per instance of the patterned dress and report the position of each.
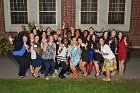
(109, 60)
(75, 53)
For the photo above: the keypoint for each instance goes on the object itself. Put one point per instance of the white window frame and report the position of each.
(119, 12)
(33, 16)
(88, 12)
(18, 12)
(102, 17)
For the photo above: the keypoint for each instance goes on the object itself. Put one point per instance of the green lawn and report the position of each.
(69, 86)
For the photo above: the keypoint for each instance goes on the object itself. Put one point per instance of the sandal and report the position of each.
(105, 79)
(97, 74)
(113, 73)
(85, 75)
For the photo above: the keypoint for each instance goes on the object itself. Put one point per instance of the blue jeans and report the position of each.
(49, 66)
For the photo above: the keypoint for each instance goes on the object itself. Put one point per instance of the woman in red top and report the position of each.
(122, 46)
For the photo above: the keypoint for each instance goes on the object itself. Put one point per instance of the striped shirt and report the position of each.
(63, 53)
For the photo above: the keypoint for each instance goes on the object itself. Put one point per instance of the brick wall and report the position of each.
(134, 34)
(68, 12)
(2, 32)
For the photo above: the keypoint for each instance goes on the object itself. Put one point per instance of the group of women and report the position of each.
(71, 51)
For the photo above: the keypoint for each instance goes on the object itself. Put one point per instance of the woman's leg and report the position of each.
(108, 74)
(89, 68)
(97, 68)
(83, 68)
(74, 70)
(61, 74)
(36, 72)
(122, 67)
(47, 67)
(65, 68)
(31, 69)
(22, 65)
(52, 67)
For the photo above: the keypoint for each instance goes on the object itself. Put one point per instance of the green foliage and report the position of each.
(27, 29)
(24, 30)
(29, 26)
(5, 46)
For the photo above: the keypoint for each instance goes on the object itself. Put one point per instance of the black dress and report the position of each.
(85, 55)
(97, 56)
(113, 46)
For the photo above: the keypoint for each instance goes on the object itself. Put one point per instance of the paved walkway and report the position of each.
(9, 69)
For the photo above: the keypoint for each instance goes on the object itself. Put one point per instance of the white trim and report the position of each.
(102, 17)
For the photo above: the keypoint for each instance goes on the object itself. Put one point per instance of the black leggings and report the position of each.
(64, 67)
(21, 60)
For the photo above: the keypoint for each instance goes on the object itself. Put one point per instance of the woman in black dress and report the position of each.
(113, 45)
(85, 55)
(97, 57)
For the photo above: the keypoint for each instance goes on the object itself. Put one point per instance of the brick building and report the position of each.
(123, 15)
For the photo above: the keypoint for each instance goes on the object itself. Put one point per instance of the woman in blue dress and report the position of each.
(75, 55)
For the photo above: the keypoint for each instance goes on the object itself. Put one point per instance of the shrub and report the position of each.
(5, 46)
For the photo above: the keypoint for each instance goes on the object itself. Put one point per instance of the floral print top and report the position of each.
(75, 54)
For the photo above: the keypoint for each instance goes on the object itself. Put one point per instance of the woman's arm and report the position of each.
(10, 39)
(44, 46)
(54, 52)
(60, 48)
(125, 42)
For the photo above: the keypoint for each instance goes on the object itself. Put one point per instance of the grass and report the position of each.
(69, 86)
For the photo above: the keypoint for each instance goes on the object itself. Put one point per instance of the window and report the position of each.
(43, 12)
(88, 11)
(47, 11)
(116, 13)
(102, 14)
(18, 9)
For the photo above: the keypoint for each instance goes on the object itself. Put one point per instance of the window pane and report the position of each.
(116, 13)
(47, 18)
(19, 13)
(116, 18)
(88, 5)
(18, 5)
(88, 17)
(116, 5)
(19, 18)
(88, 11)
(47, 5)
